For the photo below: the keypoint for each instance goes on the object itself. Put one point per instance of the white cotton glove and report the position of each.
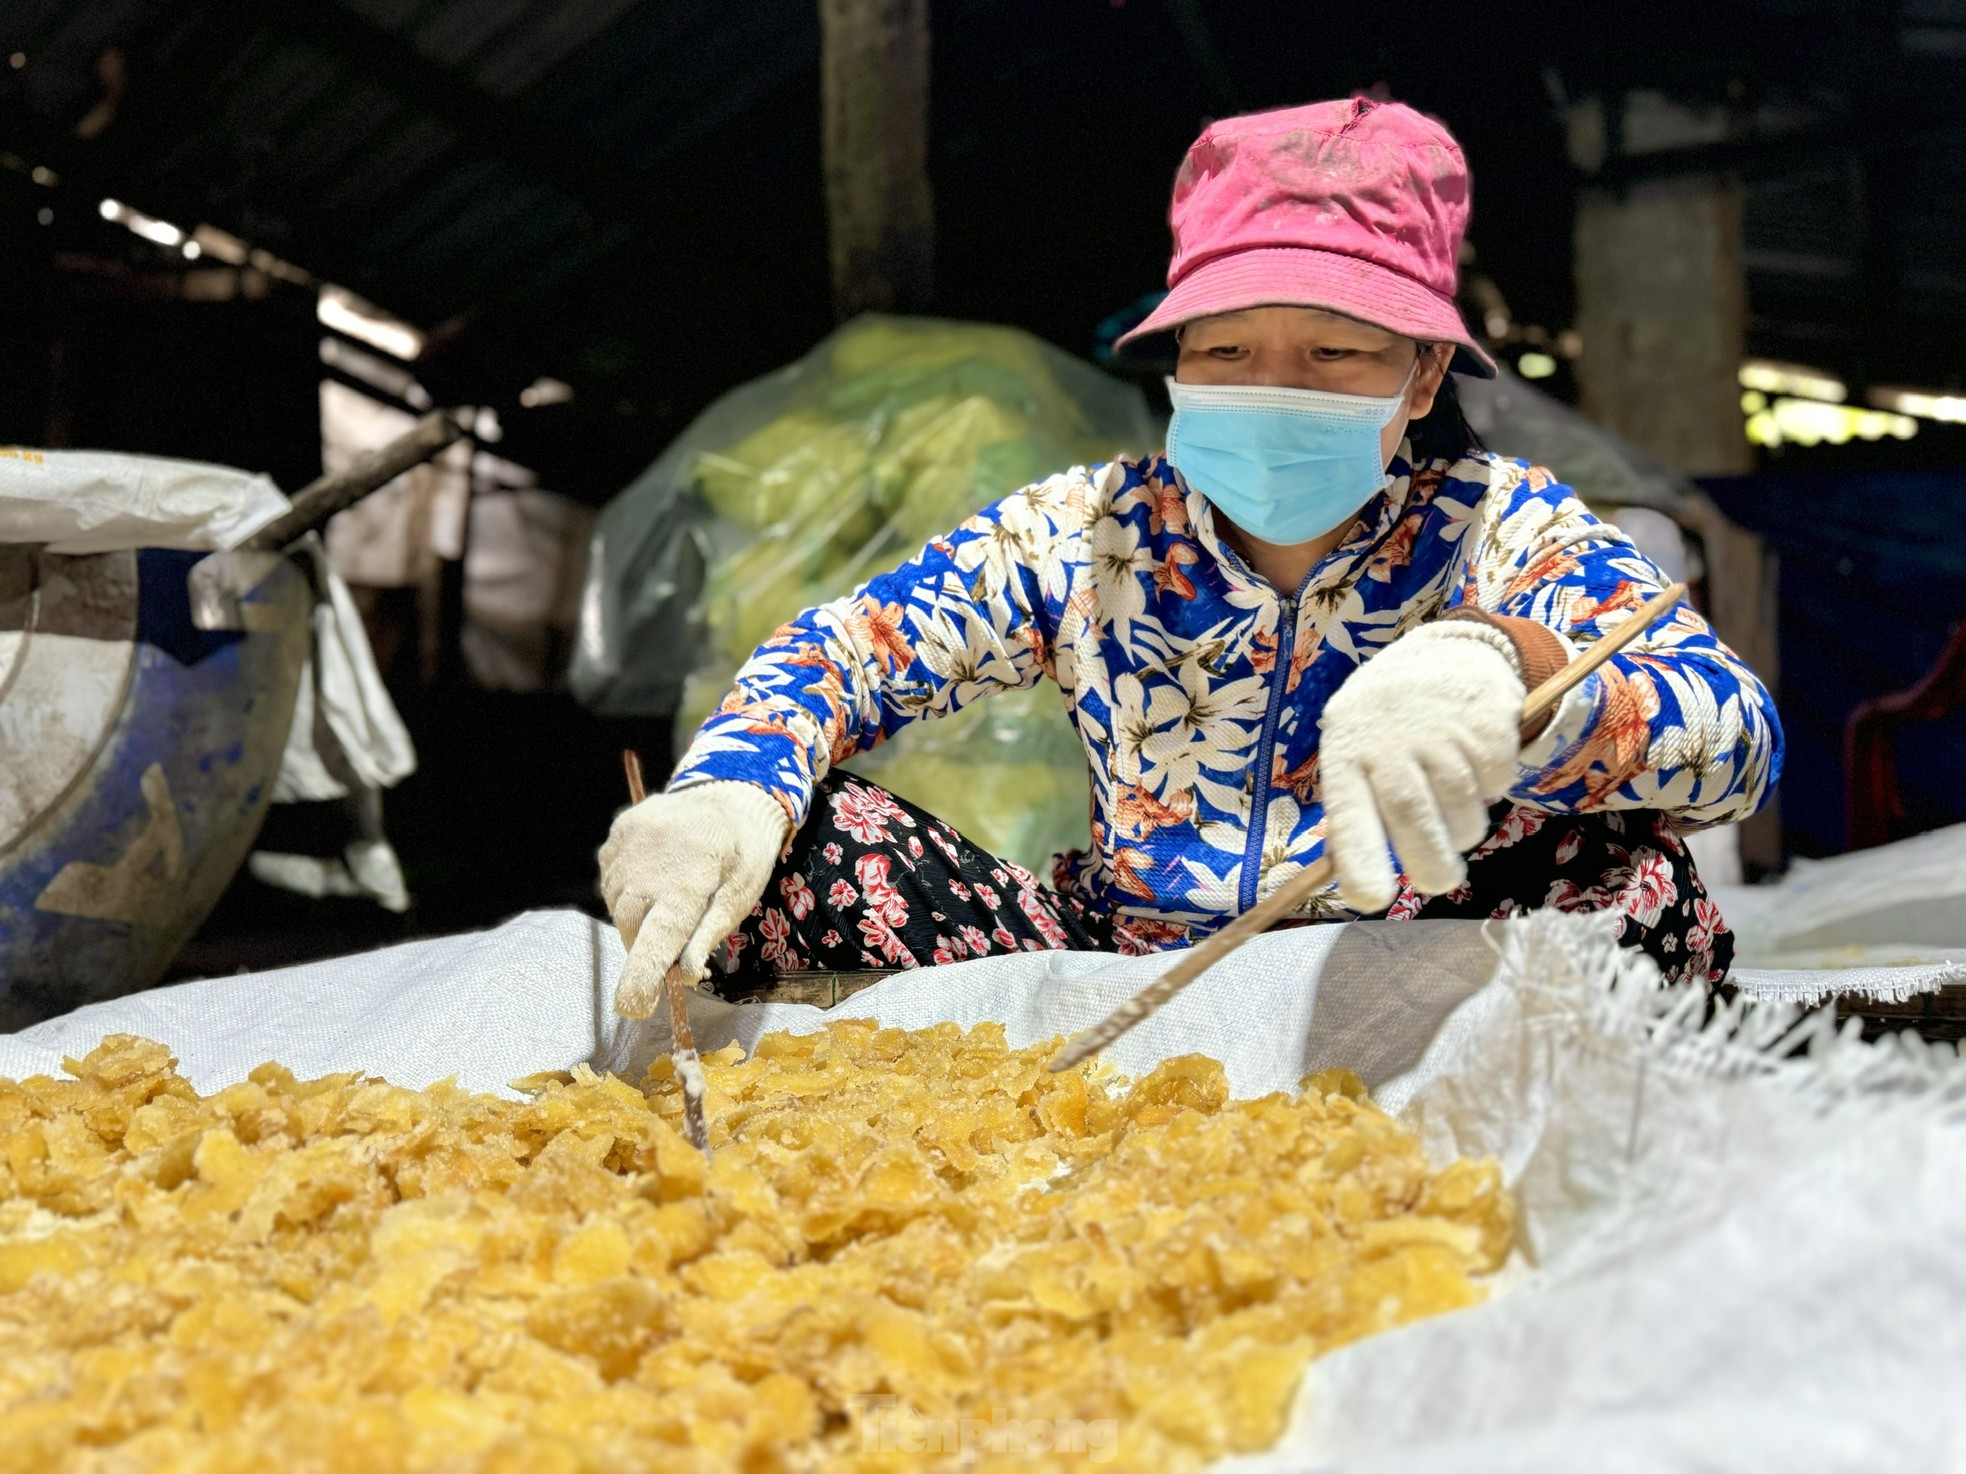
(679, 871)
(1417, 742)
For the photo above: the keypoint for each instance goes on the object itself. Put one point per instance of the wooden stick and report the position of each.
(689, 1064)
(1315, 876)
(319, 500)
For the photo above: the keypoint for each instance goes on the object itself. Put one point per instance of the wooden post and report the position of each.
(874, 103)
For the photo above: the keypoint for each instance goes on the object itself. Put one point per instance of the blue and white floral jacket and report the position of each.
(1196, 687)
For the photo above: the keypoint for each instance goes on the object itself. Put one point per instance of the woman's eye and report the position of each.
(1330, 355)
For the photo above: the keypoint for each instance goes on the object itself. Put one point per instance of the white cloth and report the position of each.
(394, 536)
(1716, 856)
(1732, 1260)
(1417, 742)
(523, 566)
(679, 871)
(87, 501)
(347, 742)
(346, 733)
(1898, 903)
(365, 867)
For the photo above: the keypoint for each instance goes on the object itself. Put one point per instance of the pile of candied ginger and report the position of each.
(910, 1248)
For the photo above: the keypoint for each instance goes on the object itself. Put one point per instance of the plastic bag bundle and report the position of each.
(796, 488)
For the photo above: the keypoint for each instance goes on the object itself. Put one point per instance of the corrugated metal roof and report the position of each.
(425, 153)
(629, 190)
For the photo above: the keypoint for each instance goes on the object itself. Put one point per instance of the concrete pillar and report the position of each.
(1661, 309)
(1662, 312)
(874, 105)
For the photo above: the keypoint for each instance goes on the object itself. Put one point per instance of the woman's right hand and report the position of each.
(679, 871)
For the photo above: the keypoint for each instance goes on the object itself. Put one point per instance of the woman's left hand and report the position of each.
(1417, 743)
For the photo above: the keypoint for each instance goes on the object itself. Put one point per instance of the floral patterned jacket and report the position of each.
(1196, 687)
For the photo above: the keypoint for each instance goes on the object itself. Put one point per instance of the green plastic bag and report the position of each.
(798, 487)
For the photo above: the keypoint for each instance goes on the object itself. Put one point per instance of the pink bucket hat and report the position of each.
(1357, 207)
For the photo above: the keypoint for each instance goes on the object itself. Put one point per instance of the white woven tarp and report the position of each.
(1731, 1259)
(537, 994)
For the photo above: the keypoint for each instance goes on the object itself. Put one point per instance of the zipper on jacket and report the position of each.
(1259, 797)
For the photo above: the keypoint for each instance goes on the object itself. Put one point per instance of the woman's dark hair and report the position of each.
(1445, 434)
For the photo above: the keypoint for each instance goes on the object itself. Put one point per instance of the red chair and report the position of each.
(1870, 770)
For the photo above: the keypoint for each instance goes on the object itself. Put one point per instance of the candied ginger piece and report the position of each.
(1340, 1082)
(121, 1060)
(612, 1321)
(596, 1251)
(1188, 1082)
(57, 1254)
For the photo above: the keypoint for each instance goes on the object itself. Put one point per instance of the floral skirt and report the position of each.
(871, 881)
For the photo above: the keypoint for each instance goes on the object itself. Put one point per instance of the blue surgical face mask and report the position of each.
(1285, 465)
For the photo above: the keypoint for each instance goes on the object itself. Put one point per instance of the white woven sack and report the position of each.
(88, 501)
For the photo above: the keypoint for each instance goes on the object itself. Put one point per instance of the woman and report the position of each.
(1308, 627)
